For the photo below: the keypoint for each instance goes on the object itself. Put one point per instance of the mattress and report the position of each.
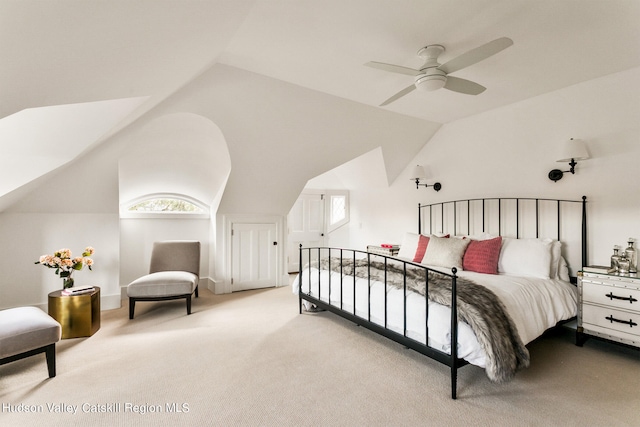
(534, 305)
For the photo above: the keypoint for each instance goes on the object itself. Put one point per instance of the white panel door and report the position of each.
(306, 223)
(253, 256)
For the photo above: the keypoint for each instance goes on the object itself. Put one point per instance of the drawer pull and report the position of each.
(630, 298)
(629, 322)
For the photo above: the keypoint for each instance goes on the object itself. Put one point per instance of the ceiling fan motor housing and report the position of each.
(430, 55)
(431, 78)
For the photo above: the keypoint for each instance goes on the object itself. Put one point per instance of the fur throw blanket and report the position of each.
(478, 306)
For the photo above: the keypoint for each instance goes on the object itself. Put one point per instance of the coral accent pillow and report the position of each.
(482, 256)
(423, 242)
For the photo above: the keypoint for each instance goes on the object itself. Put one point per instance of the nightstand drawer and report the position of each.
(625, 298)
(624, 324)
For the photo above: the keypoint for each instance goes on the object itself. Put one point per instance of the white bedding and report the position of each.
(534, 304)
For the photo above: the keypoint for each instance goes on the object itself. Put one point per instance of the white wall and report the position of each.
(74, 207)
(509, 151)
(26, 236)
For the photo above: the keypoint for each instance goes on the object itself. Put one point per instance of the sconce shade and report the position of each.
(418, 173)
(573, 149)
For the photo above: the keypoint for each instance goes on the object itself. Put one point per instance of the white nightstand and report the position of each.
(609, 308)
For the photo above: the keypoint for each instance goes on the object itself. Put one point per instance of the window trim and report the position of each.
(126, 213)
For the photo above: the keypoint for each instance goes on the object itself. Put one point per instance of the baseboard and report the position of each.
(209, 283)
(110, 302)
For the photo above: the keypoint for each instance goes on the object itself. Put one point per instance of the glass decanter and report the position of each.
(615, 258)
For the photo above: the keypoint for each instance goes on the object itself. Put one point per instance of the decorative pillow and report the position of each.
(445, 252)
(413, 246)
(482, 256)
(409, 246)
(556, 249)
(525, 257)
(484, 236)
(563, 270)
(423, 242)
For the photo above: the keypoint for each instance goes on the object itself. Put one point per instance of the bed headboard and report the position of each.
(519, 217)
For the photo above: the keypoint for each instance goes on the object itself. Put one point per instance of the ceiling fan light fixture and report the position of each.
(430, 82)
(433, 75)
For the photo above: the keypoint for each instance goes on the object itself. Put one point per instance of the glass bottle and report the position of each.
(615, 258)
(632, 256)
(623, 264)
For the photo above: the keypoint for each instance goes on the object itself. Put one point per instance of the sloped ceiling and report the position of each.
(84, 51)
(324, 44)
(76, 52)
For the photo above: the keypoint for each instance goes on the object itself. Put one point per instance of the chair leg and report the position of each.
(196, 291)
(188, 304)
(132, 307)
(50, 354)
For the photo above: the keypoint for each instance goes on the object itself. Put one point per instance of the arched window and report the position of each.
(164, 206)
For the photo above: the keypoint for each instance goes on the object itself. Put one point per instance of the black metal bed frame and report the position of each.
(451, 359)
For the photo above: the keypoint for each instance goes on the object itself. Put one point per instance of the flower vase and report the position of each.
(67, 282)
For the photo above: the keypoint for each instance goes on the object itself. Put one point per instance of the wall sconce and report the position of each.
(572, 151)
(420, 174)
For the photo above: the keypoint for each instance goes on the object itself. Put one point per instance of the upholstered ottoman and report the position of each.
(27, 331)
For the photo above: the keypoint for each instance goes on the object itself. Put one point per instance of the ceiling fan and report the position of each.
(433, 75)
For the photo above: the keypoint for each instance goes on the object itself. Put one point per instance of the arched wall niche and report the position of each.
(182, 154)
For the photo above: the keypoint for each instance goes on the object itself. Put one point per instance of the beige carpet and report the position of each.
(249, 359)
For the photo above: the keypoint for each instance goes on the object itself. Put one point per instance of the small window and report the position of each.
(338, 209)
(164, 206)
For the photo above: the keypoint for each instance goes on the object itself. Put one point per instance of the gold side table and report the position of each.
(79, 315)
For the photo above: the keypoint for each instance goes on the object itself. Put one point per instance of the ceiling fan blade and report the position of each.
(467, 87)
(399, 95)
(476, 55)
(393, 68)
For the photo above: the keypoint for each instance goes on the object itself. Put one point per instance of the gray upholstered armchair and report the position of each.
(173, 274)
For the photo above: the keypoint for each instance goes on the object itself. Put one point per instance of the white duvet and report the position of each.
(534, 304)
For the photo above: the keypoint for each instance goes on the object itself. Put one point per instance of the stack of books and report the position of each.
(78, 290)
(390, 246)
(384, 249)
(604, 269)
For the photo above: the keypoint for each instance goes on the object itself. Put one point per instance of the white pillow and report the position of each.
(445, 252)
(409, 246)
(525, 257)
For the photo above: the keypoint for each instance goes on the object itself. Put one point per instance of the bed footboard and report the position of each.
(345, 263)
